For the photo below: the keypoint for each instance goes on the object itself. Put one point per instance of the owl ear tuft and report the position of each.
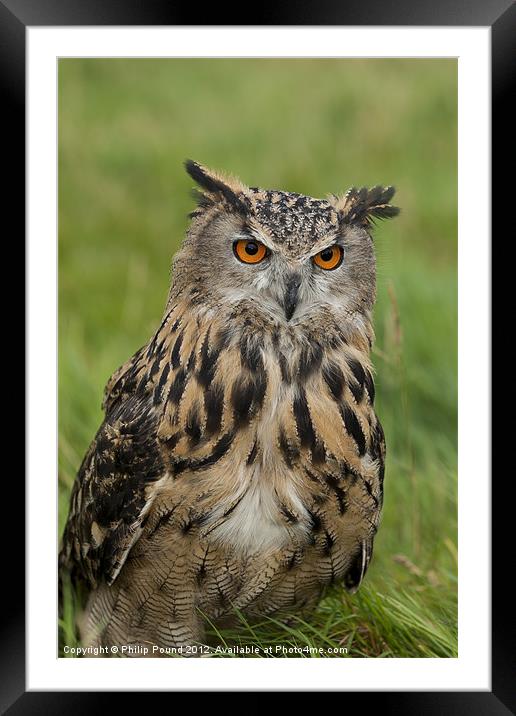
(362, 206)
(216, 187)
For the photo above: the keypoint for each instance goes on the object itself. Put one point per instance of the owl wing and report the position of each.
(362, 558)
(116, 482)
(166, 410)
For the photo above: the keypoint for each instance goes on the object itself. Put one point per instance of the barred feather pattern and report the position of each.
(205, 426)
(240, 463)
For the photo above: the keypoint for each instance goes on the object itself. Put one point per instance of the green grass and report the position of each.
(312, 126)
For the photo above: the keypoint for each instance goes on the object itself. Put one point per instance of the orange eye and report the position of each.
(329, 258)
(249, 251)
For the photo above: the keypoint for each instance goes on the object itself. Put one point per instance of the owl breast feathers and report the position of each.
(240, 463)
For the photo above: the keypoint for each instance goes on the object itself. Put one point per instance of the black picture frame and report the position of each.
(15, 17)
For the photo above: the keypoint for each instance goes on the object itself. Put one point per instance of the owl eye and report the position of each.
(249, 251)
(329, 258)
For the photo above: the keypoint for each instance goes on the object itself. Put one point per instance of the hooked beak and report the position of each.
(291, 295)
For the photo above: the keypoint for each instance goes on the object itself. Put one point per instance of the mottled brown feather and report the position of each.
(240, 462)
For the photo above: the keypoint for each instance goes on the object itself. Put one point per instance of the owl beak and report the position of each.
(291, 294)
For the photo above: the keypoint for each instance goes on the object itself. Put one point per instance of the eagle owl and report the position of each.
(240, 463)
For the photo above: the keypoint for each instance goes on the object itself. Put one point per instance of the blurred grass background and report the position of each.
(315, 127)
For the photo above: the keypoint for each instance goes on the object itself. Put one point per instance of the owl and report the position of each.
(240, 464)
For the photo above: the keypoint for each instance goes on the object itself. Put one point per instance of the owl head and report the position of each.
(287, 254)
